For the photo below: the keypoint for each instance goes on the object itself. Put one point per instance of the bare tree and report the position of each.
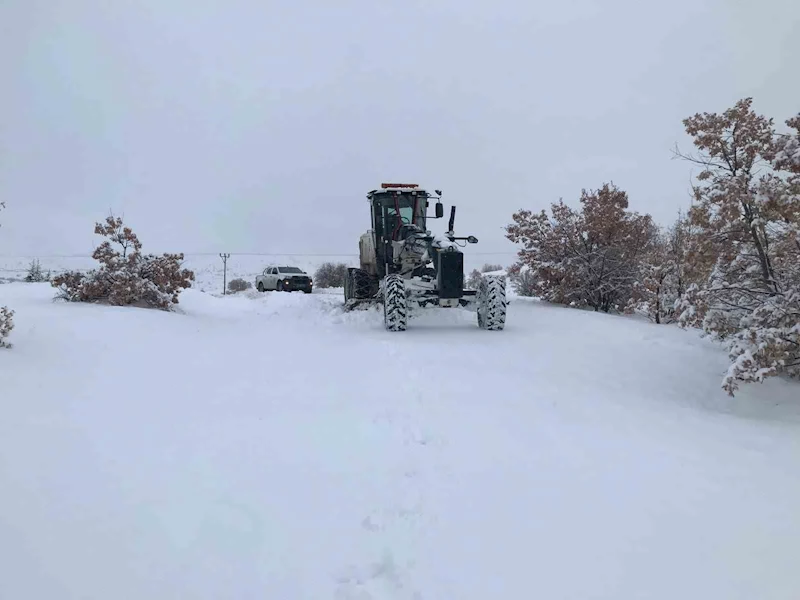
(330, 275)
(474, 279)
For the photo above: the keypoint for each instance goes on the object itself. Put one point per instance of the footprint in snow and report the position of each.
(381, 579)
(379, 520)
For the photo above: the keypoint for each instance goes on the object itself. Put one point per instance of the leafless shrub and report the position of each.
(330, 275)
(474, 279)
(523, 280)
(239, 285)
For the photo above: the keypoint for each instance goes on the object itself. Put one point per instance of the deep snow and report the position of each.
(271, 446)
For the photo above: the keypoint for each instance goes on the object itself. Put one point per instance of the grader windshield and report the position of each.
(394, 208)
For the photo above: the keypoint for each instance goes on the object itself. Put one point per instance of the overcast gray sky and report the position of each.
(258, 126)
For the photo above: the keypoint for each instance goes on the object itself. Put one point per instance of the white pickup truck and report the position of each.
(284, 279)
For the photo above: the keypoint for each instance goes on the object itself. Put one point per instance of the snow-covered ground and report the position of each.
(272, 446)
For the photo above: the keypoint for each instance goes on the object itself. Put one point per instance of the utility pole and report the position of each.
(224, 258)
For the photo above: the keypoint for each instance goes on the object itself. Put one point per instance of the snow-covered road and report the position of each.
(275, 447)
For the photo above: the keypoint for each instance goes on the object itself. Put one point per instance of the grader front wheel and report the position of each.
(395, 308)
(492, 303)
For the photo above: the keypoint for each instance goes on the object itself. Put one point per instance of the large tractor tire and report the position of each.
(395, 308)
(356, 284)
(361, 284)
(492, 303)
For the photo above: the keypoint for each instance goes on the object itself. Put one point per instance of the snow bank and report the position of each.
(277, 447)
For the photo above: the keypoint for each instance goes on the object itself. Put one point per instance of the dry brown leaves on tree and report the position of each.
(126, 276)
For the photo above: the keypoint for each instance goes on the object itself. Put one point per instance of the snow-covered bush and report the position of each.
(787, 149)
(126, 276)
(35, 273)
(747, 215)
(523, 280)
(6, 325)
(330, 275)
(489, 268)
(239, 285)
(662, 274)
(586, 258)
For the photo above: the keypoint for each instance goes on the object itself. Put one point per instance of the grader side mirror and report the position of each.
(472, 239)
(439, 210)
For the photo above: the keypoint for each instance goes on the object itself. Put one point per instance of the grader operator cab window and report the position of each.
(398, 209)
(406, 213)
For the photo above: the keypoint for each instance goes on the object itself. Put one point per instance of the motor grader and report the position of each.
(403, 265)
